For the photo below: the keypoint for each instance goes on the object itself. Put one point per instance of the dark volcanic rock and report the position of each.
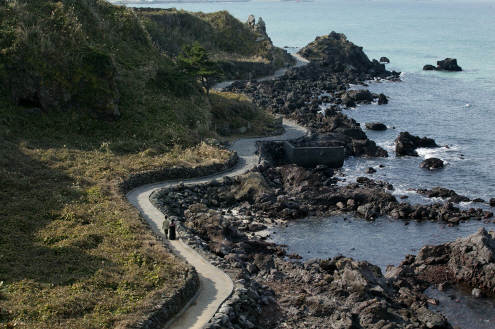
(429, 67)
(448, 64)
(382, 99)
(432, 163)
(384, 60)
(375, 126)
(406, 144)
(438, 192)
(339, 54)
(470, 260)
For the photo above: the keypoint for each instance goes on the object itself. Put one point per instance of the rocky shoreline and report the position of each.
(219, 219)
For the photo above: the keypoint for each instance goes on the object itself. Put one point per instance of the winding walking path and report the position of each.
(216, 286)
(300, 61)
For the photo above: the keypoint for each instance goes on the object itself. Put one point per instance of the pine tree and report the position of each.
(194, 60)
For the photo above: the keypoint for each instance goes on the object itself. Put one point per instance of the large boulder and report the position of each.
(357, 96)
(432, 163)
(339, 54)
(375, 126)
(470, 260)
(406, 144)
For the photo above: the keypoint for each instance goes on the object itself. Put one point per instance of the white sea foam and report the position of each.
(436, 152)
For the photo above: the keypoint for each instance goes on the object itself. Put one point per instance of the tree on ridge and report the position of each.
(194, 60)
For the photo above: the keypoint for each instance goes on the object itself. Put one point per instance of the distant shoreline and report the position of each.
(137, 2)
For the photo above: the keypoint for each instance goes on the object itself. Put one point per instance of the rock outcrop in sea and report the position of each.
(335, 52)
(335, 63)
(406, 144)
(448, 64)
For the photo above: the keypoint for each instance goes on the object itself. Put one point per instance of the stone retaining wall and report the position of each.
(172, 304)
(172, 301)
(161, 175)
(310, 157)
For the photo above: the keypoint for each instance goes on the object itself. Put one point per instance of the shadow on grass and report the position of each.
(38, 240)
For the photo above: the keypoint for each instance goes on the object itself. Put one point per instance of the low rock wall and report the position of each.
(172, 302)
(164, 174)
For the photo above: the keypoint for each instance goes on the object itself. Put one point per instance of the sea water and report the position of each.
(457, 109)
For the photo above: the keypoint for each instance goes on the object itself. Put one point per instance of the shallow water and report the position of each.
(464, 310)
(382, 242)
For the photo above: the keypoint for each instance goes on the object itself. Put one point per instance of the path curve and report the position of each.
(216, 286)
(300, 61)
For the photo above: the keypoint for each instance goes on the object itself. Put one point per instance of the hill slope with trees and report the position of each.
(242, 50)
(86, 100)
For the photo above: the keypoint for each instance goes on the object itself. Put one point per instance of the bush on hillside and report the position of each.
(83, 55)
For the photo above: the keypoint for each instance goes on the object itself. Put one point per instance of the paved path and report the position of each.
(300, 61)
(216, 286)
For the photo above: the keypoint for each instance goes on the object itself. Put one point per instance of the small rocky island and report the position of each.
(448, 64)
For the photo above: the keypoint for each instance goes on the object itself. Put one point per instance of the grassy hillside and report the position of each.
(86, 100)
(239, 49)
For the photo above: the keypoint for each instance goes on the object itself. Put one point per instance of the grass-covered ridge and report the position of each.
(240, 49)
(85, 101)
(86, 55)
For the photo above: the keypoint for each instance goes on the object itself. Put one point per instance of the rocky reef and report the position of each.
(448, 64)
(219, 219)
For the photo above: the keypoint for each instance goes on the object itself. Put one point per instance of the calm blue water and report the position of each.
(456, 109)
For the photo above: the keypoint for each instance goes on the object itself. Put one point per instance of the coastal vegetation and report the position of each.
(194, 61)
(86, 100)
(240, 52)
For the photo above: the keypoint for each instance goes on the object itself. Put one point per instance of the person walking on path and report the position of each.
(166, 226)
(172, 230)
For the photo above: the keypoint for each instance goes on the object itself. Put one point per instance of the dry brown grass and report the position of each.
(74, 253)
(237, 110)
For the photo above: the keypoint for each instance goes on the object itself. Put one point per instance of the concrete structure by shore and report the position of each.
(310, 157)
